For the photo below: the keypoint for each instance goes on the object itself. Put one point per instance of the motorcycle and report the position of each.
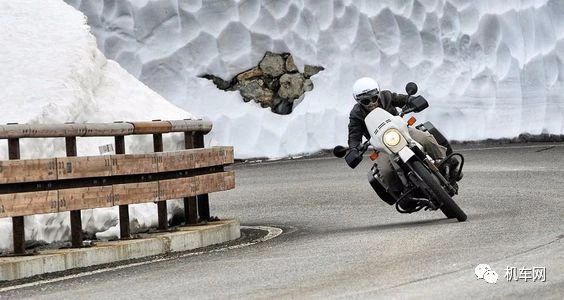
(426, 184)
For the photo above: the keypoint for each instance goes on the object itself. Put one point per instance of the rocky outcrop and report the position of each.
(276, 82)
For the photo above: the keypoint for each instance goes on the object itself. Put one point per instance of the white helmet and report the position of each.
(365, 85)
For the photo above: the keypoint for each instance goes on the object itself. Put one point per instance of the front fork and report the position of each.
(430, 163)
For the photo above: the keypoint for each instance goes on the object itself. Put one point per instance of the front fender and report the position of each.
(406, 154)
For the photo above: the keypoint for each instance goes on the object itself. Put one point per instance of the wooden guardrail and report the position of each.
(51, 185)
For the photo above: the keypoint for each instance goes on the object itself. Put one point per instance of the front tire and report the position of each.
(449, 207)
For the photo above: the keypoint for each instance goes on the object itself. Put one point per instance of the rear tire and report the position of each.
(449, 207)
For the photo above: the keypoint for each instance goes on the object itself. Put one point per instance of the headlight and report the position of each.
(391, 138)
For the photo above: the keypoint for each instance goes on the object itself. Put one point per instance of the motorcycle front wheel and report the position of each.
(449, 207)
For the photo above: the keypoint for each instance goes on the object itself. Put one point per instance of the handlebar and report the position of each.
(341, 151)
(363, 147)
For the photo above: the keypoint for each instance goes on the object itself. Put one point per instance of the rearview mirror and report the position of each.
(411, 88)
(339, 151)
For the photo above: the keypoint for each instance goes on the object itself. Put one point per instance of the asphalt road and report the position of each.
(340, 241)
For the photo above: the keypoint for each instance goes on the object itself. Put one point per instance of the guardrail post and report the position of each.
(18, 229)
(190, 203)
(75, 215)
(124, 229)
(203, 200)
(161, 205)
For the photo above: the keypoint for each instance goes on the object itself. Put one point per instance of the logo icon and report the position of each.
(480, 270)
(491, 276)
(484, 271)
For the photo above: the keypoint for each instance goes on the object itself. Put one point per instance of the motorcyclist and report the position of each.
(368, 96)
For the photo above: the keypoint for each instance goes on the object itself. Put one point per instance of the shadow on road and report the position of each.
(397, 225)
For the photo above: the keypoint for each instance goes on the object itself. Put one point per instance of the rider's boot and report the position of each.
(409, 205)
(455, 173)
(450, 170)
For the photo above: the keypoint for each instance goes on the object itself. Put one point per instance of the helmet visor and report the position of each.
(367, 97)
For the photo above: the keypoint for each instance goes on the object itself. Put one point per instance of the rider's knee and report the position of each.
(429, 140)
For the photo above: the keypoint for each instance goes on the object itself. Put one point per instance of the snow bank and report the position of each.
(490, 69)
(51, 72)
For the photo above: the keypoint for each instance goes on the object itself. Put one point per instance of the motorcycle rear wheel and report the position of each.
(449, 207)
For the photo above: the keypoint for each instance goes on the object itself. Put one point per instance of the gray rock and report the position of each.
(254, 72)
(290, 65)
(291, 86)
(276, 100)
(283, 108)
(272, 64)
(276, 82)
(255, 90)
(310, 70)
(272, 83)
(219, 82)
(308, 85)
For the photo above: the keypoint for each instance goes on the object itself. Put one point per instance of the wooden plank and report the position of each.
(23, 204)
(103, 129)
(11, 131)
(28, 170)
(64, 130)
(203, 126)
(83, 198)
(197, 185)
(151, 127)
(124, 164)
(177, 160)
(83, 167)
(120, 164)
(132, 193)
(207, 157)
(228, 155)
(108, 129)
(194, 158)
(178, 188)
(57, 130)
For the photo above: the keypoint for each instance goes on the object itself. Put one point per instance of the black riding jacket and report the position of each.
(388, 101)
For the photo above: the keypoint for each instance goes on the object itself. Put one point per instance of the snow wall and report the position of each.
(490, 69)
(52, 72)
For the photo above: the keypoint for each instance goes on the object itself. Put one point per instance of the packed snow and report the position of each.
(490, 69)
(52, 72)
